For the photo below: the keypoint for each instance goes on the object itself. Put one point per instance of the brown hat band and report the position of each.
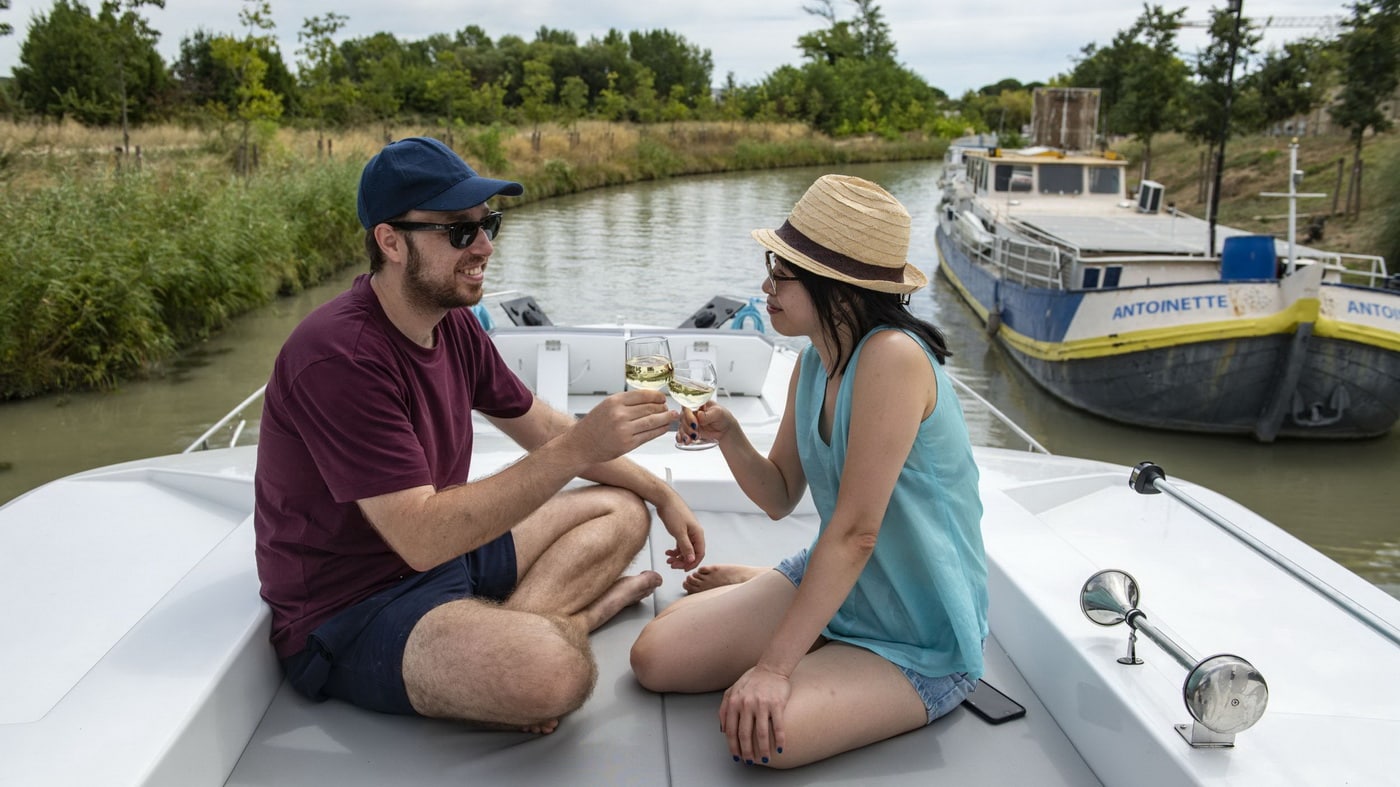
(835, 260)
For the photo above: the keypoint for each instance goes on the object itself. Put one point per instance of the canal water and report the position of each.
(654, 253)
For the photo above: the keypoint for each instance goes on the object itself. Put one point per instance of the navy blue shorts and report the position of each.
(357, 656)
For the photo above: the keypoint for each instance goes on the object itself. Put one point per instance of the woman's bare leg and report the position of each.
(843, 698)
(706, 641)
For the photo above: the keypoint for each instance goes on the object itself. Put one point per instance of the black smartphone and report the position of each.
(985, 701)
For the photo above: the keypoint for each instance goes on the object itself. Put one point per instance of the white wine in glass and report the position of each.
(648, 362)
(693, 382)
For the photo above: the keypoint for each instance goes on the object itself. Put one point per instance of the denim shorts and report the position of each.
(357, 655)
(940, 694)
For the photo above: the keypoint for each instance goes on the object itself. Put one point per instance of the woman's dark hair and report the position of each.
(862, 311)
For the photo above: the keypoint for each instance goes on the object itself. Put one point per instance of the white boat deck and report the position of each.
(1105, 228)
(137, 653)
(188, 692)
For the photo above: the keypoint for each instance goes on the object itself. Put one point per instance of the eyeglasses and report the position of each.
(460, 234)
(769, 260)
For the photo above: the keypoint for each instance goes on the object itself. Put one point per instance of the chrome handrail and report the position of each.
(1032, 444)
(202, 442)
(1148, 478)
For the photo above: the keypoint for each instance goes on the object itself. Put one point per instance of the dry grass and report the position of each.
(31, 153)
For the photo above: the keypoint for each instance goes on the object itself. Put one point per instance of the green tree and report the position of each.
(452, 85)
(257, 104)
(5, 27)
(535, 95)
(380, 69)
(612, 105)
(1369, 60)
(205, 85)
(327, 93)
(673, 62)
(1214, 93)
(66, 64)
(851, 82)
(129, 45)
(1293, 80)
(1155, 84)
(573, 101)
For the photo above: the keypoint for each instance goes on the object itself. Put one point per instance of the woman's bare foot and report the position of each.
(624, 593)
(710, 577)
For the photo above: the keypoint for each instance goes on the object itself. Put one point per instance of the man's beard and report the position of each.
(432, 294)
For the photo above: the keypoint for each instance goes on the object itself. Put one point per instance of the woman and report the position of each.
(877, 628)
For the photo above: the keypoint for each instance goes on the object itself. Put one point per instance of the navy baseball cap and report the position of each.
(424, 174)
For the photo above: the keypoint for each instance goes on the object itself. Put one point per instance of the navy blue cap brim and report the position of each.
(470, 192)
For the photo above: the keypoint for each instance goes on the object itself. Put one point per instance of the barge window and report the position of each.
(1014, 177)
(1061, 179)
(1103, 180)
(1111, 275)
(1091, 278)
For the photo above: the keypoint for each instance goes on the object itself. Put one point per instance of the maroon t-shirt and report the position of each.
(354, 409)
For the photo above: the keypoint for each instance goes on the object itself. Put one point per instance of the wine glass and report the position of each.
(648, 362)
(693, 382)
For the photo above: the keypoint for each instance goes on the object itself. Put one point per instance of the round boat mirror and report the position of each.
(1226, 694)
(1107, 596)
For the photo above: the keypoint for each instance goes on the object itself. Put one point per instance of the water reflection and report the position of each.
(655, 252)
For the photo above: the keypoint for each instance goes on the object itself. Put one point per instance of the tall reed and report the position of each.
(102, 275)
(112, 265)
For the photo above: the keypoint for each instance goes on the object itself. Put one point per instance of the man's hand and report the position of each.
(681, 523)
(620, 423)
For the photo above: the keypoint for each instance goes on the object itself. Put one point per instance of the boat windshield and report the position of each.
(1013, 177)
(1061, 179)
(1104, 180)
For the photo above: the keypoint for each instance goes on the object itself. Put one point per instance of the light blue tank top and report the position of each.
(921, 601)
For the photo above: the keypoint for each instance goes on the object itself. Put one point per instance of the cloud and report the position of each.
(953, 46)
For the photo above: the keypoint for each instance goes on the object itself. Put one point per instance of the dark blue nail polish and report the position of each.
(736, 758)
(748, 762)
(694, 436)
(694, 425)
(780, 750)
(765, 760)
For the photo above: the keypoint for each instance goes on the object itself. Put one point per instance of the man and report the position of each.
(395, 583)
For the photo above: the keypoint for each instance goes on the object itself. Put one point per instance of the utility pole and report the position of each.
(1236, 7)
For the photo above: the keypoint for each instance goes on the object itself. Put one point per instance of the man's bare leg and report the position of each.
(467, 659)
(711, 577)
(570, 553)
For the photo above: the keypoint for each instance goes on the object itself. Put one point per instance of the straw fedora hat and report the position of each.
(851, 230)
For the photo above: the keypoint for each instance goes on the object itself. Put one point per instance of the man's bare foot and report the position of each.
(710, 577)
(624, 593)
(543, 728)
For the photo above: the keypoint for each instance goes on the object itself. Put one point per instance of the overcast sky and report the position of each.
(954, 46)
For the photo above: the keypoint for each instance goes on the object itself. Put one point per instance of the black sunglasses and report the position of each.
(460, 234)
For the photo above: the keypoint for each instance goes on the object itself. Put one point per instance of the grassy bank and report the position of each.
(112, 263)
(1259, 163)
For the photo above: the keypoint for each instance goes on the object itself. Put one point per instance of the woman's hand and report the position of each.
(710, 422)
(751, 715)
